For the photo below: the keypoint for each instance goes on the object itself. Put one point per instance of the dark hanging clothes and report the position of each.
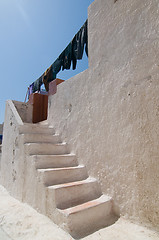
(31, 89)
(72, 53)
(56, 66)
(67, 57)
(79, 41)
(37, 84)
(74, 50)
(86, 37)
(49, 76)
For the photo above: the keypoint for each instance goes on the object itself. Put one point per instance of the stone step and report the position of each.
(54, 161)
(36, 128)
(46, 148)
(54, 176)
(45, 122)
(71, 194)
(39, 137)
(89, 217)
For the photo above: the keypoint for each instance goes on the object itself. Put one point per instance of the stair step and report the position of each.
(89, 217)
(36, 128)
(70, 194)
(39, 137)
(46, 148)
(54, 161)
(45, 123)
(54, 176)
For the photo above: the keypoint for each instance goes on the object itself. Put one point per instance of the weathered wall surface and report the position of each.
(109, 114)
(25, 111)
(12, 162)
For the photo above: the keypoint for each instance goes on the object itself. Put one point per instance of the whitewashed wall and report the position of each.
(109, 114)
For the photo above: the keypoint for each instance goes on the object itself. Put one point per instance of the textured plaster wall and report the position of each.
(12, 167)
(13, 163)
(109, 114)
(24, 110)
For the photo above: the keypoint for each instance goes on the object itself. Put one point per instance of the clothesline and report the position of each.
(72, 53)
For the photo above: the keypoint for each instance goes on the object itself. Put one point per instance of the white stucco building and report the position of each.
(107, 115)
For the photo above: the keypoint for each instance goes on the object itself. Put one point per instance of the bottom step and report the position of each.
(89, 217)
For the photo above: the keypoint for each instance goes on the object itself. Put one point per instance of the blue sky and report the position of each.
(33, 34)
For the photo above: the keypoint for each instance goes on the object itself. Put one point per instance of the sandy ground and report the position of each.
(19, 221)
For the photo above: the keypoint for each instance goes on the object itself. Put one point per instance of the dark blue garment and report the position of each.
(56, 66)
(31, 88)
(67, 57)
(37, 84)
(79, 41)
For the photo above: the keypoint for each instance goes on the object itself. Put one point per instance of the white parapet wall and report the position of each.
(24, 110)
(109, 114)
(11, 164)
(13, 161)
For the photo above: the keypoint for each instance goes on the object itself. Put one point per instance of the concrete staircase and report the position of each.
(73, 199)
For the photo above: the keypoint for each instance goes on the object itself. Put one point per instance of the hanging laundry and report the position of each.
(86, 37)
(79, 41)
(74, 50)
(72, 53)
(37, 84)
(49, 76)
(56, 66)
(67, 57)
(31, 88)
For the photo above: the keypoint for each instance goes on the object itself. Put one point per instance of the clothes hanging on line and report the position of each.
(49, 76)
(66, 57)
(79, 41)
(35, 86)
(31, 89)
(56, 66)
(72, 53)
(74, 50)
(38, 83)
